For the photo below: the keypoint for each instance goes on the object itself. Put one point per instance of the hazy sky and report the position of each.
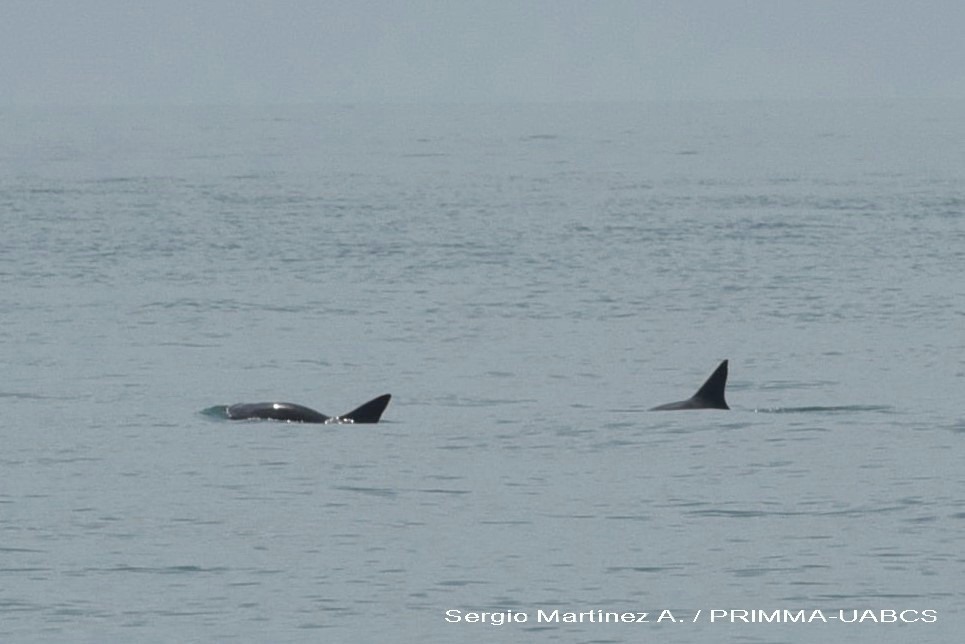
(254, 51)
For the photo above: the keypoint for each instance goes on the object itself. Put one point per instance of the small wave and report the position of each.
(373, 491)
(754, 514)
(840, 409)
(22, 395)
(162, 570)
(645, 569)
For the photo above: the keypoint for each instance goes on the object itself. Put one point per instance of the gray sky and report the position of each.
(255, 51)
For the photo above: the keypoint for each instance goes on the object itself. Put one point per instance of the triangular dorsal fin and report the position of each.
(370, 412)
(712, 391)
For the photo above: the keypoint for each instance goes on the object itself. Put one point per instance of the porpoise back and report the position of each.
(370, 412)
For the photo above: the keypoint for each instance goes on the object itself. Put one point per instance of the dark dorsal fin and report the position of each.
(712, 391)
(370, 412)
(709, 396)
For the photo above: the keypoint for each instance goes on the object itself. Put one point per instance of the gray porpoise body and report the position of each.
(370, 412)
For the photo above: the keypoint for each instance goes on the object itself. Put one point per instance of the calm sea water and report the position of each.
(526, 281)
